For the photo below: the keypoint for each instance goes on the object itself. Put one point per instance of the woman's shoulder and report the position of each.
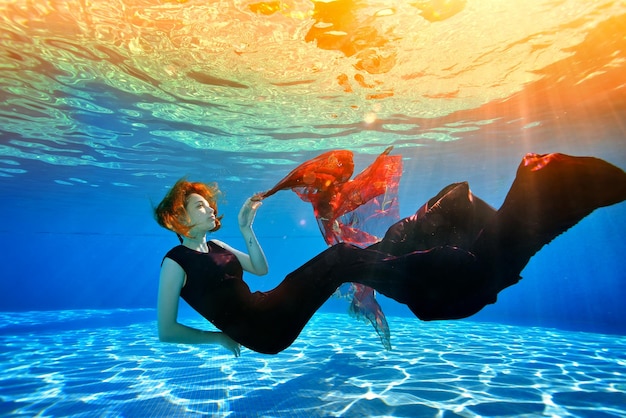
(177, 254)
(176, 250)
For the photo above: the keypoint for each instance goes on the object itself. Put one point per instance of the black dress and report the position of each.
(447, 261)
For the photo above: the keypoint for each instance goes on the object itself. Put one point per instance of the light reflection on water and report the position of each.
(139, 80)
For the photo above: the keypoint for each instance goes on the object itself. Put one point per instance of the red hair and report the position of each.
(171, 213)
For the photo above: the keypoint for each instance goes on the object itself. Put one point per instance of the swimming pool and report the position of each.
(105, 105)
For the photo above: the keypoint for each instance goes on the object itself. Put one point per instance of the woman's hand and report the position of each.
(230, 344)
(254, 261)
(248, 212)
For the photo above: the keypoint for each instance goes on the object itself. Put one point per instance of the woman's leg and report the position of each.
(274, 319)
(440, 283)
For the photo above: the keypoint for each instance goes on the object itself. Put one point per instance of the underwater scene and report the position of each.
(105, 104)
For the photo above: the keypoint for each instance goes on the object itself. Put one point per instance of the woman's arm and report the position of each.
(254, 261)
(170, 284)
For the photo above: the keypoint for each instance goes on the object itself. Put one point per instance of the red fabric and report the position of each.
(351, 211)
(356, 211)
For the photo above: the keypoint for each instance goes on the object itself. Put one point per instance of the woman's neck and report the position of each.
(196, 243)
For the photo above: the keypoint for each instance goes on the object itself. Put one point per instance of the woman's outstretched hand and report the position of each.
(248, 212)
(230, 344)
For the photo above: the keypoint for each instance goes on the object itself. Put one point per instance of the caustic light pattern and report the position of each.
(454, 368)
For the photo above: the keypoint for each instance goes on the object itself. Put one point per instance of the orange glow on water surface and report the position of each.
(348, 61)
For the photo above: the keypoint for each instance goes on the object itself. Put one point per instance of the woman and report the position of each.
(447, 261)
(190, 209)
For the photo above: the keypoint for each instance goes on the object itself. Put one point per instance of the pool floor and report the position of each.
(110, 364)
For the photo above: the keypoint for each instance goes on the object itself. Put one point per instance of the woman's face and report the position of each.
(201, 214)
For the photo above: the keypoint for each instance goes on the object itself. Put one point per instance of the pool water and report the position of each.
(54, 364)
(105, 104)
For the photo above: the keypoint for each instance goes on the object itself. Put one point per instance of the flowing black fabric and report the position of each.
(447, 261)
